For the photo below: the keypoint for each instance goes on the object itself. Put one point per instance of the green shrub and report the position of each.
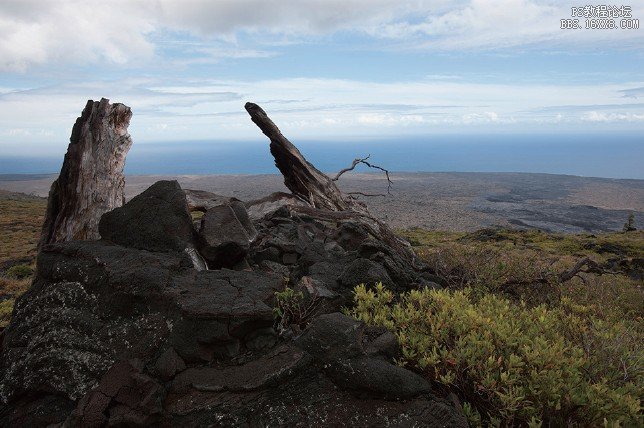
(6, 307)
(511, 364)
(293, 309)
(20, 271)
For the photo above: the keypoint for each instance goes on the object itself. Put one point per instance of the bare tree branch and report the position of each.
(370, 165)
(591, 267)
(355, 163)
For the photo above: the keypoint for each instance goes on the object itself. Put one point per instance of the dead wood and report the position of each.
(319, 191)
(355, 163)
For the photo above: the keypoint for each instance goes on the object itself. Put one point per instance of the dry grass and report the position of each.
(21, 218)
(496, 260)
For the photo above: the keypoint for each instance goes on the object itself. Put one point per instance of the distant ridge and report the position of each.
(25, 177)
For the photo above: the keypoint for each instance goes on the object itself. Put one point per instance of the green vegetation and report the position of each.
(523, 265)
(20, 271)
(21, 218)
(516, 343)
(196, 215)
(514, 365)
(293, 309)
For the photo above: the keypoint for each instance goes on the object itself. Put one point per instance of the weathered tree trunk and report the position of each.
(308, 183)
(91, 181)
(302, 178)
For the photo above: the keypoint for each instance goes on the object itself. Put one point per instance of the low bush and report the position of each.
(6, 308)
(512, 364)
(293, 309)
(20, 271)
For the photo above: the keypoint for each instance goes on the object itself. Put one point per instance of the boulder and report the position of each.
(378, 377)
(333, 337)
(225, 235)
(337, 343)
(200, 200)
(364, 271)
(155, 220)
(268, 370)
(169, 364)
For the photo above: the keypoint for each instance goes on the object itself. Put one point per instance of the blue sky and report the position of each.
(323, 70)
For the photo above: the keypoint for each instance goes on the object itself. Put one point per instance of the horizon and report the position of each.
(325, 71)
(583, 155)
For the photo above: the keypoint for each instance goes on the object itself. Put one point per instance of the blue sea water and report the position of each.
(597, 155)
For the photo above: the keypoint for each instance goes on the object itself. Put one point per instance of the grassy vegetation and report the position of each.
(524, 265)
(513, 365)
(21, 219)
(518, 345)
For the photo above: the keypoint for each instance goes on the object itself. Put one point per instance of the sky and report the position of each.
(335, 70)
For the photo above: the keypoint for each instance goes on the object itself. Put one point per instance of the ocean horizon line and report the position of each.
(608, 156)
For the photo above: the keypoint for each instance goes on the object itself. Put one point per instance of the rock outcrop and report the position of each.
(91, 181)
(225, 234)
(128, 330)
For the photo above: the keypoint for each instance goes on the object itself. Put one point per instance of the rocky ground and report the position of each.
(441, 201)
(132, 330)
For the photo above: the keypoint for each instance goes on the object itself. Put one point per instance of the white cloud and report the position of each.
(485, 117)
(595, 116)
(499, 24)
(226, 17)
(333, 109)
(389, 119)
(36, 32)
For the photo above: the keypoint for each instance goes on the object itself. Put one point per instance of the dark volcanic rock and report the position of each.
(123, 397)
(336, 254)
(332, 337)
(91, 181)
(377, 376)
(93, 304)
(260, 208)
(364, 271)
(131, 337)
(264, 372)
(336, 341)
(225, 234)
(200, 200)
(156, 220)
(132, 330)
(169, 364)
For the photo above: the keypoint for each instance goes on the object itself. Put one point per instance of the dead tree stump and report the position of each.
(319, 191)
(91, 181)
(301, 177)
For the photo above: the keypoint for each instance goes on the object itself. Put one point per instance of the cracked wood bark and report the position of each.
(311, 185)
(300, 176)
(91, 181)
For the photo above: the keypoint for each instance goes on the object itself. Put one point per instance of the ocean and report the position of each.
(596, 155)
